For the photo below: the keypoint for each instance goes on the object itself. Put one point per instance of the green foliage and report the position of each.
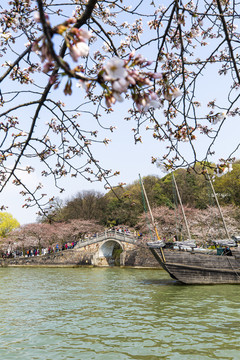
(7, 224)
(125, 209)
(228, 185)
(193, 187)
(86, 205)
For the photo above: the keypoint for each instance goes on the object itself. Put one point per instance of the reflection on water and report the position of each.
(112, 313)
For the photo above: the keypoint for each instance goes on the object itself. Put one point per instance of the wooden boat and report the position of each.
(195, 267)
(187, 263)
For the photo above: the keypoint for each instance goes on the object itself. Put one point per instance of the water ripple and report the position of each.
(114, 314)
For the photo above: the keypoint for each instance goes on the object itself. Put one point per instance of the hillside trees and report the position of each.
(129, 204)
(228, 186)
(86, 205)
(101, 47)
(194, 188)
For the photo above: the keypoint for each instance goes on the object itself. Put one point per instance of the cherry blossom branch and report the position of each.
(107, 36)
(27, 51)
(48, 32)
(226, 32)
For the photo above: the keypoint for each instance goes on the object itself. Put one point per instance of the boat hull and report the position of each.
(197, 268)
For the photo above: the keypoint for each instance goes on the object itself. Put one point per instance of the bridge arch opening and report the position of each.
(111, 250)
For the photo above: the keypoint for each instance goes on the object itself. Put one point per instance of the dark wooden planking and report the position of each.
(200, 268)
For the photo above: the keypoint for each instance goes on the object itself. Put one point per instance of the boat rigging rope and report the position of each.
(150, 212)
(177, 217)
(146, 212)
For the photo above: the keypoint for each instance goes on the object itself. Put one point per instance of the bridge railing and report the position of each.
(114, 234)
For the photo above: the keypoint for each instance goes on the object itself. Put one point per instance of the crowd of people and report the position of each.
(36, 252)
(126, 231)
(57, 248)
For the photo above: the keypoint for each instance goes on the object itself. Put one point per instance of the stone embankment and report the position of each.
(134, 256)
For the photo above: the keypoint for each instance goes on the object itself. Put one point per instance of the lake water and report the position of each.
(113, 313)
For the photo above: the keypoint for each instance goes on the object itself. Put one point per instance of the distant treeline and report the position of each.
(126, 208)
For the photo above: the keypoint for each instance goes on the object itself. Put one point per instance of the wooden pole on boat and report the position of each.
(219, 208)
(180, 201)
(151, 215)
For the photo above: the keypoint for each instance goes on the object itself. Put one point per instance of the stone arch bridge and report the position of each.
(107, 249)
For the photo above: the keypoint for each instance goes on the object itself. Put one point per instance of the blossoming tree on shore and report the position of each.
(101, 53)
(43, 235)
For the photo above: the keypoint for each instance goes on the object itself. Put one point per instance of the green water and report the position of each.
(113, 313)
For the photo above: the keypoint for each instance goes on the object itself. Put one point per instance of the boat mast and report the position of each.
(151, 215)
(180, 201)
(219, 208)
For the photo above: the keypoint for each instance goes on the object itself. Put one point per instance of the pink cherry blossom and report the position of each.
(176, 93)
(118, 97)
(78, 50)
(115, 68)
